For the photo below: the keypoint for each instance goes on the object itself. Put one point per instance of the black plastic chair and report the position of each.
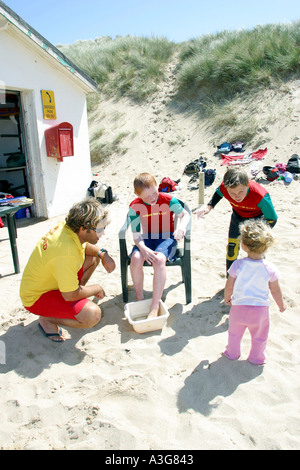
(183, 258)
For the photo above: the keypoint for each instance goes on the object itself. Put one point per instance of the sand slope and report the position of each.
(110, 388)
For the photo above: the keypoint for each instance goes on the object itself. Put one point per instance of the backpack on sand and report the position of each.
(293, 164)
(209, 176)
(271, 172)
(101, 191)
(167, 185)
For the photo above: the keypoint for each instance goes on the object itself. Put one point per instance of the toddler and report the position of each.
(247, 292)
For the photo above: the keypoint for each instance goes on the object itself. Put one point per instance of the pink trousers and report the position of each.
(256, 319)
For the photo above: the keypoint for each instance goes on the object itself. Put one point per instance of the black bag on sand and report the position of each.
(101, 191)
(271, 172)
(293, 164)
(194, 166)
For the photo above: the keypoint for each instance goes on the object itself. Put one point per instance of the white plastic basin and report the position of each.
(136, 313)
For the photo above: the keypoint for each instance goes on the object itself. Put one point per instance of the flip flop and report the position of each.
(52, 335)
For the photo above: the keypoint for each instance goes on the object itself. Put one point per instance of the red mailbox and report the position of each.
(59, 141)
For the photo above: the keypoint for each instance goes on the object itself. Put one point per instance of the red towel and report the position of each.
(241, 159)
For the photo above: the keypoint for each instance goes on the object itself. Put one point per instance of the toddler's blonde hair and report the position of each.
(256, 235)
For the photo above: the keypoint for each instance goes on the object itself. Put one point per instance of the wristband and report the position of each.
(103, 250)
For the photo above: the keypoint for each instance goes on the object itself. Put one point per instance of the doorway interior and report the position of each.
(13, 158)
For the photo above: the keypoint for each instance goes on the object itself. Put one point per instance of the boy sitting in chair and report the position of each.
(153, 212)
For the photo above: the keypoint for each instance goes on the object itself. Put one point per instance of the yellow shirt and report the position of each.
(53, 264)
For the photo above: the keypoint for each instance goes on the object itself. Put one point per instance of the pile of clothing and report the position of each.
(283, 171)
(242, 159)
(225, 147)
(4, 196)
(167, 185)
(193, 168)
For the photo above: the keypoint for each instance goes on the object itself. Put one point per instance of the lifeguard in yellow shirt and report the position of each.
(53, 284)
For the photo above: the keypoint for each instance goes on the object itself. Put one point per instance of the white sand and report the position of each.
(111, 388)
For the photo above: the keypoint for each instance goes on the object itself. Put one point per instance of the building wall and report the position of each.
(55, 185)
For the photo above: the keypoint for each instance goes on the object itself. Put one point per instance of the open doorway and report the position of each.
(13, 158)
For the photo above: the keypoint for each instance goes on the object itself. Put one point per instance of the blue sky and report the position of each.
(65, 21)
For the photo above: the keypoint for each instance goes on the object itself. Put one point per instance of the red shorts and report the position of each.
(52, 304)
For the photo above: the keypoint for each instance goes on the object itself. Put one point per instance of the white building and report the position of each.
(41, 88)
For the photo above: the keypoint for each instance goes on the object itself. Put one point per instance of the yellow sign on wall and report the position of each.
(48, 104)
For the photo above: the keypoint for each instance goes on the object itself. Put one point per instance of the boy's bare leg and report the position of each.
(137, 274)
(159, 280)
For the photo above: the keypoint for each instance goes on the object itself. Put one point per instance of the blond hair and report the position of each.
(87, 214)
(256, 235)
(143, 181)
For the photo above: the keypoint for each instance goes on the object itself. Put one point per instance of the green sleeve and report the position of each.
(267, 208)
(175, 206)
(134, 220)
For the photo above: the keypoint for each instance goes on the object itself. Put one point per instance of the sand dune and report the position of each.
(110, 388)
